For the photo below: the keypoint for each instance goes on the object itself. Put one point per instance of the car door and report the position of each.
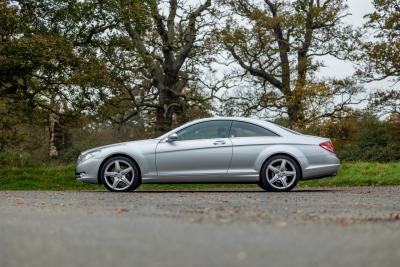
(248, 141)
(202, 150)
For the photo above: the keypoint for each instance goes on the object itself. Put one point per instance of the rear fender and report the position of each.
(281, 149)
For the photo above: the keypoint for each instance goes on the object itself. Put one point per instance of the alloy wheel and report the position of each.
(119, 174)
(281, 174)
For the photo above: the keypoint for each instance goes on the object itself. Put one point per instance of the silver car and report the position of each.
(213, 150)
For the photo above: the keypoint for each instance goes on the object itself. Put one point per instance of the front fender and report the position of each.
(143, 153)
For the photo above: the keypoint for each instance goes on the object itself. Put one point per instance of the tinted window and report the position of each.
(244, 129)
(205, 130)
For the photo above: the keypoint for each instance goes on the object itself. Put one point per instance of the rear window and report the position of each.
(244, 129)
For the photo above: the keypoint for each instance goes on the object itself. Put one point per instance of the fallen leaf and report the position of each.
(394, 217)
(121, 210)
(224, 220)
(19, 200)
(344, 222)
(195, 220)
(281, 224)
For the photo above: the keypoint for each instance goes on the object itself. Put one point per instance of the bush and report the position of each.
(375, 140)
(376, 153)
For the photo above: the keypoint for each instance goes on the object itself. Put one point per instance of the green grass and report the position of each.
(63, 178)
(362, 174)
(41, 178)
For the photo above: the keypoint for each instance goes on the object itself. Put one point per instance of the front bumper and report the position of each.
(87, 179)
(88, 171)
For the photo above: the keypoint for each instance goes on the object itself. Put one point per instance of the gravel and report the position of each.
(350, 226)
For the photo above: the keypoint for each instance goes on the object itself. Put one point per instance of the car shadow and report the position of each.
(235, 191)
(222, 190)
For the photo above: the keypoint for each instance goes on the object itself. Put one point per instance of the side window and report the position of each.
(205, 130)
(244, 129)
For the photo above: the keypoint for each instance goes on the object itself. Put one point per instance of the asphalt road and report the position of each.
(316, 227)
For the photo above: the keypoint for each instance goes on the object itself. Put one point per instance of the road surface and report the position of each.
(350, 226)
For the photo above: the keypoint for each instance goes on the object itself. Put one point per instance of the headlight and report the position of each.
(89, 155)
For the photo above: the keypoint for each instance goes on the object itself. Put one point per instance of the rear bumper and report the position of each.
(320, 171)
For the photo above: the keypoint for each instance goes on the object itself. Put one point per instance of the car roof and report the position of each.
(253, 120)
(269, 125)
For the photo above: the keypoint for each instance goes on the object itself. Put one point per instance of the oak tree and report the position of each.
(154, 55)
(279, 46)
(380, 58)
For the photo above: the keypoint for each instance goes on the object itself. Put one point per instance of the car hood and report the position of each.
(149, 141)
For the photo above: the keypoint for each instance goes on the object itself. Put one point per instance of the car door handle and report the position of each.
(219, 142)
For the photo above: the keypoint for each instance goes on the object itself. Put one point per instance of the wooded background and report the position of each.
(78, 74)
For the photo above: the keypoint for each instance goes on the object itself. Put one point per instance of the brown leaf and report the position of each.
(281, 224)
(19, 200)
(195, 220)
(121, 210)
(344, 222)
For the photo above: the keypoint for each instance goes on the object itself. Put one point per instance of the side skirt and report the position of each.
(202, 180)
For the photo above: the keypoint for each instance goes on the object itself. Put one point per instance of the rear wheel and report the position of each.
(279, 174)
(120, 174)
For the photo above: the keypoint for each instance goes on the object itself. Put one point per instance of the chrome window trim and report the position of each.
(176, 132)
(276, 135)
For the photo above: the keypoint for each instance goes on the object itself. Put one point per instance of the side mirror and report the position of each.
(172, 137)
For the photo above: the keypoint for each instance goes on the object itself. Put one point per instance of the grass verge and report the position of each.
(63, 178)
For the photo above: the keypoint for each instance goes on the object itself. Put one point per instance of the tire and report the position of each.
(276, 177)
(120, 174)
(260, 184)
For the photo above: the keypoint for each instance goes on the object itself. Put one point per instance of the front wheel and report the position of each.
(279, 174)
(120, 174)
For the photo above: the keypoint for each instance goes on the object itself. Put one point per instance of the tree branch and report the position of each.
(190, 35)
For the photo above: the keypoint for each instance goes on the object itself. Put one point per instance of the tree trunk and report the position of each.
(169, 111)
(295, 113)
(55, 131)
(67, 138)
(53, 150)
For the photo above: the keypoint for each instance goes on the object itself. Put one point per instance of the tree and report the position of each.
(177, 43)
(154, 51)
(118, 59)
(380, 59)
(38, 67)
(279, 45)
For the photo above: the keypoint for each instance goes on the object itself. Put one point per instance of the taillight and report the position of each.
(328, 146)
